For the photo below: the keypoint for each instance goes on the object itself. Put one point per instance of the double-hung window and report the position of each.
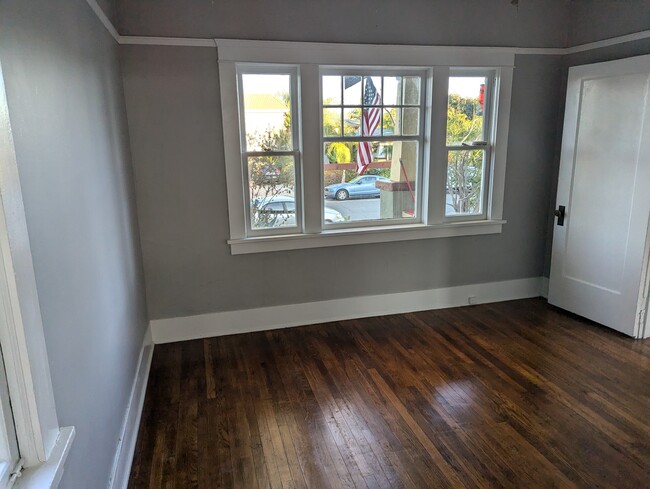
(469, 142)
(331, 145)
(372, 142)
(270, 149)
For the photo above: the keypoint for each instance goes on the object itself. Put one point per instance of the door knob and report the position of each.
(559, 213)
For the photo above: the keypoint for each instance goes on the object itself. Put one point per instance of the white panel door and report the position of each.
(604, 188)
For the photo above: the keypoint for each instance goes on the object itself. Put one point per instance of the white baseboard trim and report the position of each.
(543, 287)
(129, 434)
(266, 318)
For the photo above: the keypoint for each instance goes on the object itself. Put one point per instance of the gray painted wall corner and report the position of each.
(66, 104)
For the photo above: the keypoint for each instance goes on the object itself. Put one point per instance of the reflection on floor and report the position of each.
(514, 394)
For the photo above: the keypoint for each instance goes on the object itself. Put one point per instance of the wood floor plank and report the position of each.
(516, 394)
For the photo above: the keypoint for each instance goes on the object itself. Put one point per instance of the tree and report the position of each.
(464, 167)
(270, 176)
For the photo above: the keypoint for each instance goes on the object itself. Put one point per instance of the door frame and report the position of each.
(643, 318)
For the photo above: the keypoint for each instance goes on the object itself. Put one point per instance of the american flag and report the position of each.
(369, 121)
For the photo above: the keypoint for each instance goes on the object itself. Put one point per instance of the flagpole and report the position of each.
(408, 183)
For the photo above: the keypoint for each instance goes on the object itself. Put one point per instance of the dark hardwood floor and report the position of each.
(514, 394)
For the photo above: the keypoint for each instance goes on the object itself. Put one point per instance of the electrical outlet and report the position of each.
(471, 299)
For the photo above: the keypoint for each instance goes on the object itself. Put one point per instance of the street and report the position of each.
(362, 209)
(355, 209)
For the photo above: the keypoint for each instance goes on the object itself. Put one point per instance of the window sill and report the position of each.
(342, 237)
(48, 475)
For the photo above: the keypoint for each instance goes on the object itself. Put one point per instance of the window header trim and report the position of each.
(287, 52)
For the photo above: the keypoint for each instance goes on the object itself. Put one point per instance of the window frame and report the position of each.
(425, 99)
(294, 152)
(42, 444)
(9, 451)
(309, 58)
(489, 133)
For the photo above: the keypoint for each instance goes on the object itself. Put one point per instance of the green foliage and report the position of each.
(389, 118)
(339, 153)
(464, 120)
(465, 167)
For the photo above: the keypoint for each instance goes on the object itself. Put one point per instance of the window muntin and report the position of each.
(270, 150)
(372, 124)
(469, 143)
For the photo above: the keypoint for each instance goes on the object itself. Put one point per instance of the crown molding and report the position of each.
(212, 43)
(168, 41)
(636, 36)
(104, 19)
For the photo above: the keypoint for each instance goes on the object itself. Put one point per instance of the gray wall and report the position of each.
(594, 20)
(536, 23)
(67, 110)
(174, 113)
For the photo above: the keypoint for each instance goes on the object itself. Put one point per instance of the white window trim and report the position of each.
(294, 152)
(309, 57)
(317, 187)
(490, 134)
(43, 445)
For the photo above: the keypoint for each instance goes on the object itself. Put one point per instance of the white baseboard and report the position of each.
(129, 434)
(266, 318)
(543, 287)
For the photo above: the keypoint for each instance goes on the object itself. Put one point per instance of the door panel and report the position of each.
(604, 179)
(604, 173)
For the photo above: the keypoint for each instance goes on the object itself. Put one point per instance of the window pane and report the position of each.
(385, 189)
(352, 122)
(271, 182)
(352, 90)
(371, 122)
(390, 122)
(267, 112)
(392, 90)
(465, 182)
(411, 121)
(411, 88)
(331, 122)
(331, 90)
(465, 110)
(371, 90)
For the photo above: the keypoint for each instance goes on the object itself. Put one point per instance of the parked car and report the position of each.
(281, 211)
(270, 173)
(362, 187)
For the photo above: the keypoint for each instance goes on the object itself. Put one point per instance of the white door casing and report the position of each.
(598, 254)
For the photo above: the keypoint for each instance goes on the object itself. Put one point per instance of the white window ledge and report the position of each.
(342, 237)
(48, 475)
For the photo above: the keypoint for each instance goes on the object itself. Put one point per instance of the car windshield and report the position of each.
(355, 180)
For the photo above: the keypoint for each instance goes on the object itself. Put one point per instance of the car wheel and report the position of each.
(342, 194)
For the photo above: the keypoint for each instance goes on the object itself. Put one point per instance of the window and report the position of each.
(326, 150)
(9, 455)
(372, 125)
(30, 436)
(468, 142)
(269, 147)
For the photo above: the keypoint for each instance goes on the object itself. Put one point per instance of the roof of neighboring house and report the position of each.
(263, 101)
